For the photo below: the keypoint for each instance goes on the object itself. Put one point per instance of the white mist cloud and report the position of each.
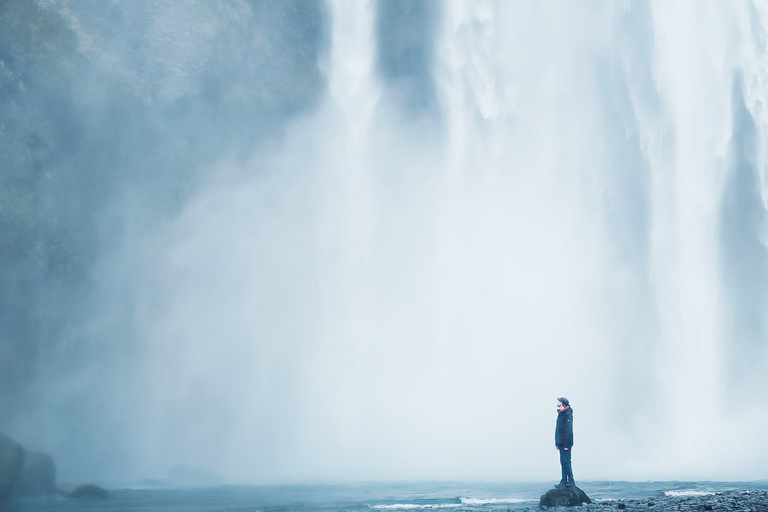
(374, 296)
(365, 301)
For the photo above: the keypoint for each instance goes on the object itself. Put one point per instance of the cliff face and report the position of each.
(11, 461)
(108, 103)
(24, 473)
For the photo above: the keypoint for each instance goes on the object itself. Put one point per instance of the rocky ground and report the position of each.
(740, 501)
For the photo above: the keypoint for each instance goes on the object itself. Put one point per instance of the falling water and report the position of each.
(391, 289)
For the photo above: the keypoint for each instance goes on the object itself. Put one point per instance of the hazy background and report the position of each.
(305, 241)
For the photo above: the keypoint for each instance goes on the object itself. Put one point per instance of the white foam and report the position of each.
(487, 501)
(463, 502)
(408, 506)
(688, 493)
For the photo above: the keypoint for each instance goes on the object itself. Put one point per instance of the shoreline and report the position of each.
(735, 500)
(414, 497)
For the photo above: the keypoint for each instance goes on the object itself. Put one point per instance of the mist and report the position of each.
(325, 242)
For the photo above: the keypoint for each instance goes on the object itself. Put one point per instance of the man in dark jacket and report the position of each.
(564, 441)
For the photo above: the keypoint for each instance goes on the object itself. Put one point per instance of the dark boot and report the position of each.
(561, 485)
(570, 483)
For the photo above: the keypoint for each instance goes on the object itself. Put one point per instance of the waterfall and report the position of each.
(428, 282)
(475, 207)
(639, 115)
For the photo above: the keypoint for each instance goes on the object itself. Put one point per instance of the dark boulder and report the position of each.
(38, 475)
(88, 491)
(567, 497)
(11, 461)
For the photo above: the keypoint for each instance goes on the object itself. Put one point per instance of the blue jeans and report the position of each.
(565, 465)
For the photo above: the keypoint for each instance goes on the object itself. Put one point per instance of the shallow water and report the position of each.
(481, 497)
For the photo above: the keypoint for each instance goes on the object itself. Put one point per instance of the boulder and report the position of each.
(567, 497)
(88, 491)
(38, 475)
(11, 461)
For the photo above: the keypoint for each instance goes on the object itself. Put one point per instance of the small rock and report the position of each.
(568, 497)
(622, 506)
(88, 491)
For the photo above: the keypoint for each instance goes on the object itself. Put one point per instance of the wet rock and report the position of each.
(11, 461)
(88, 491)
(728, 501)
(38, 475)
(568, 497)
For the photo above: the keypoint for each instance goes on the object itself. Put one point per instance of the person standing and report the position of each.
(564, 441)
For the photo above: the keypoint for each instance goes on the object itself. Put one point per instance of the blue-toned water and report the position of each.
(365, 497)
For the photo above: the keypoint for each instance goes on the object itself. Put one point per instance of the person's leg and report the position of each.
(563, 469)
(568, 468)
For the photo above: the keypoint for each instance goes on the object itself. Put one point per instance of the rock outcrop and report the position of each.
(38, 475)
(566, 497)
(11, 461)
(88, 491)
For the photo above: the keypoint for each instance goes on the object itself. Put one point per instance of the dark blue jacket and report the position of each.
(564, 429)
